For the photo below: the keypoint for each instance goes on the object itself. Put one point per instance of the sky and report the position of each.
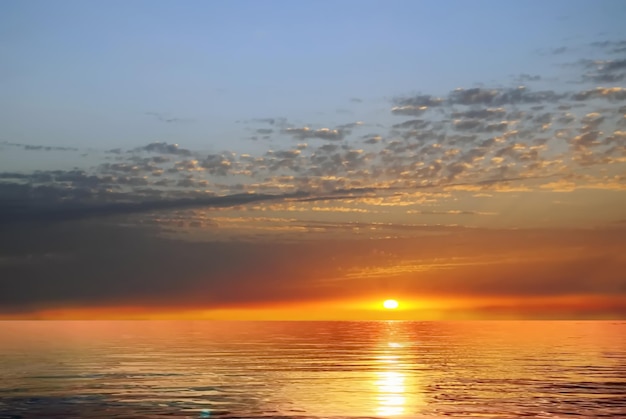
(308, 160)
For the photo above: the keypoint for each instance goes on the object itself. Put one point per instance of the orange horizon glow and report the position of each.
(503, 308)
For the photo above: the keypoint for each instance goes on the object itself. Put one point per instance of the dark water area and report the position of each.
(197, 369)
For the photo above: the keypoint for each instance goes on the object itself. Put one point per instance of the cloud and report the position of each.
(31, 147)
(604, 71)
(468, 124)
(450, 212)
(217, 164)
(499, 97)
(474, 96)
(610, 93)
(372, 139)
(43, 211)
(164, 148)
(418, 101)
(475, 135)
(614, 47)
(488, 113)
(307, 133)
(513, 129)
(284, 154)
(412, 124)
(279, 122)
(525, 78)
(349, 127)
(409, 110)
(164, 118)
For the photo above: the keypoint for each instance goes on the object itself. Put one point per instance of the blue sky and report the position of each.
(85, 73)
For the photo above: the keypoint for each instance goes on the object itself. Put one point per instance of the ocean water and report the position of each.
(196, 369)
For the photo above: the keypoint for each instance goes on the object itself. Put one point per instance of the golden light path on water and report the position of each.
(384, 369)
(391, 382)
(391, 397)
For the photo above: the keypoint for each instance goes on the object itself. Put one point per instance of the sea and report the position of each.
(377, 369)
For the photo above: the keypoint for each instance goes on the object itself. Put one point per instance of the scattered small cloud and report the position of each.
(307, 133)
(168, 119)
(164, 148)
(32, 147)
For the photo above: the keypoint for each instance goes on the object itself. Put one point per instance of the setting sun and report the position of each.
(390, 304)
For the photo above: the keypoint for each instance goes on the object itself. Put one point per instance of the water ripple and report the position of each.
(313, 370)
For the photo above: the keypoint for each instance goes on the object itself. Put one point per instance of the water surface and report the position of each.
(188, 369)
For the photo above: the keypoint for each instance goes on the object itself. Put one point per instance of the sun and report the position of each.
(390, 304)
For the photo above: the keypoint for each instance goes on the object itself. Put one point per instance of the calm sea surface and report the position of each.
(187, 369)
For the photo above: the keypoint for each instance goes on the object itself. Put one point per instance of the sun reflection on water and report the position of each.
(391, 390)
(390, 383)
(389, 370)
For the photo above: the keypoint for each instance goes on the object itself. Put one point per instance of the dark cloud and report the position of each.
(217, 164)
(284, 154)
(475, 96)
(279, 122)
(126, 168)
(604, 44)
(270, 121)
(409, 110)
(489, 113)
(31, 147)
(415, 105)
(612, 94)
(372, 139)
(412, 124)
(525, 78)
(542, 118)
(418, 101)
(499, 97)
(604, 71)
(307, 133)
(349, 126)
(164, 118)
(468, 124)
(164, 148)
(43, 210)
(592, 120)
(615, 47)
(191, 183)
(64, 182)
(566, 118)
(496, 127)
(328, 148)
